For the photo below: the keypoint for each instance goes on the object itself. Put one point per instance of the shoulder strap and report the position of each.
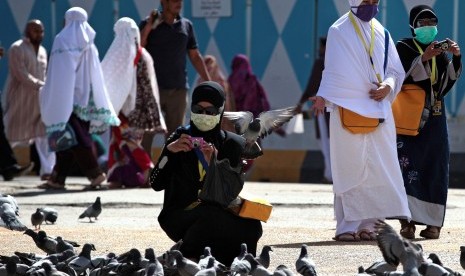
(386, 48)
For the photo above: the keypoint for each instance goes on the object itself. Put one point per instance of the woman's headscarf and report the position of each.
(213, 93)
(118, 66)
(420, 12)
(74, 82)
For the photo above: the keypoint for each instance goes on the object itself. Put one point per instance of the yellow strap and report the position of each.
(202, 172)
(434, 71)
(372, 41)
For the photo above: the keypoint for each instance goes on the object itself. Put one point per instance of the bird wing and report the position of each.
(273, 119)
(390, 243)
(240, 119)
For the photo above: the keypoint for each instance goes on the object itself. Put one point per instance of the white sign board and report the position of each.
(211, 8)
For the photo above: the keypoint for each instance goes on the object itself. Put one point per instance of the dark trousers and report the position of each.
(7, 157)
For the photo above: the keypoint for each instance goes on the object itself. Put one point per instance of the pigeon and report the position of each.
(435, 259)
(264, 257)
(395, 249)
(462, 256)
(379, 267)
(83, 261)
(46, 243)
(304, 265)
(93, 210)
(237, 266)
(210, 269)
(51, 215)
(253, 128)
(9, 218)
(37, 218)
(432, 269)
(256, 268)
(63, 245)
(10, 268)
(52, 271)
(10, 200)
(185, 266)
(284, 269)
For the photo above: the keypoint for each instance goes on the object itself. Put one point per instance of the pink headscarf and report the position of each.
(248, 92)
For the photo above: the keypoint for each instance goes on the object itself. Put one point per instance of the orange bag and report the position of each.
(407, 109)
(356, 123)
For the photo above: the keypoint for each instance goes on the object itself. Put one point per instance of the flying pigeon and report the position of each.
(93, 210)
(51, 215)
(37, 218)
(9, 218)
(253, 128)
(304, 265)
(395, 249)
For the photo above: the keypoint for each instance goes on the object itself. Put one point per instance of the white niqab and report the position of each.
(74, 82)
(118, 66)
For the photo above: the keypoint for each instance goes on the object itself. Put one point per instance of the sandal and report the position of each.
(347, 237)
(366, 235)
(51, 186)
(431, 232)
(407, 229)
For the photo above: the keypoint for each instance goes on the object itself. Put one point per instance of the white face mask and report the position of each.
(205, 122)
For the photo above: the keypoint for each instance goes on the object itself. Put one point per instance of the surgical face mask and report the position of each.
(426, 34)
(205, 122)
(366, 12)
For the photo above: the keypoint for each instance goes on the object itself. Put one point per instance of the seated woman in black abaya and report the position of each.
(180, 172)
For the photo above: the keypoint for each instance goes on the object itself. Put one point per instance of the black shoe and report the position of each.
(16, 170)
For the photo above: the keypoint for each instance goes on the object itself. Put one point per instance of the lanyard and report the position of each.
(372, 42)
(434, 70)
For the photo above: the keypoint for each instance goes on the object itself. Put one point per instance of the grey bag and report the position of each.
(222, 184)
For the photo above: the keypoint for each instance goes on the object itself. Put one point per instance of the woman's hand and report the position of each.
(183, 143)
(453, 47)
(430, 52)
(318, 106)
(208, 149)
(380, 93)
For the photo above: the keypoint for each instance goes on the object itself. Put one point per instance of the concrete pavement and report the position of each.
(302, 213)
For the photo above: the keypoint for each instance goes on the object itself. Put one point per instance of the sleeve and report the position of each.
(395, 73)
(161, 173)
(18, 68)
(191, 38)
(411, 61)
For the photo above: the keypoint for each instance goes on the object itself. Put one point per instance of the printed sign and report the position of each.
(211, 8)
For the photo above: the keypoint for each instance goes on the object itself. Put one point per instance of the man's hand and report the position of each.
(318, 106)
(380, 93)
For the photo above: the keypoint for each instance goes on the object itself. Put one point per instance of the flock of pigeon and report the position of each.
(62, 258)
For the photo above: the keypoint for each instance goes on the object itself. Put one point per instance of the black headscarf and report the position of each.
(212, 92)
(420, 12)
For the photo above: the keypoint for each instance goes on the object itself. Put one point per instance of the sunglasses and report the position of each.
(427, 22)
(209, 110)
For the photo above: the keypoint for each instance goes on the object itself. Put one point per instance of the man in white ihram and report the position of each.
(367, 179)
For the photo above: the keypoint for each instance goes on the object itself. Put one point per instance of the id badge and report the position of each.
(437, 108)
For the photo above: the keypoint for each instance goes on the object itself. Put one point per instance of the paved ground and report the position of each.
(302, 213)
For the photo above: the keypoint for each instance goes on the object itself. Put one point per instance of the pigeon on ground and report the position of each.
(264, 257)
(304, 265)
(435, 259)
(185, 266)
(93, 210)
(37, 218)
(395, 249)
(209, 269)
(52, 271)
(42, 241)
(253, 128)
(83, 261)
(379, 267)
(256, 268)
(63, 245)
(10, 268)
(10, 200)
(9, 218)
(51, 215)
(432, 269)
(462, 256)
(239, 267)
(284, 269)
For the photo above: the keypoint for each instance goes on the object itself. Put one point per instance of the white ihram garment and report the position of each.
(366, 174)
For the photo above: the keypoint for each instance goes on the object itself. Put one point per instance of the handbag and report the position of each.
(222, 183)
(356, 123)
(408, 108)
(62, 140)
(255, 208)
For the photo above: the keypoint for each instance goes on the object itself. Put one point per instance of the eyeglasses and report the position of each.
(427, 22)
(209, 110)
